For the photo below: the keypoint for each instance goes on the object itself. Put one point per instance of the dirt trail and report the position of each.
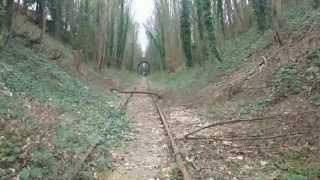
(147, 155)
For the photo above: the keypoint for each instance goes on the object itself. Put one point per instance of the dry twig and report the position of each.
(257, 119)
(246, 138)
(79, 164)
(136, 92)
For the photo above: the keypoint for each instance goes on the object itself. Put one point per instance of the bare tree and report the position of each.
(103, 11)
(43, 19)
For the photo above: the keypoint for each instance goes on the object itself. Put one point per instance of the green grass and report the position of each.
(312, 74)
(180, 80)
(258, 106)
(300, 17)
(124, 76)
(88, 118)
(297, 166)
(287, 80)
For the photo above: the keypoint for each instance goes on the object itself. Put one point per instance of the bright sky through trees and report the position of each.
(142, 12)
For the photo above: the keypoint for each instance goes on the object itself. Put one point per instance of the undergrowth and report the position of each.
(50, 150)
(287, 80)
(258, 106)
(291, 79)
(312, 74)
(298, 166)
(123, 75)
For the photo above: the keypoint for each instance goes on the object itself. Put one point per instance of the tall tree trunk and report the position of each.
(25, 6)
(229, 12)
(276, 13)
(132, 50)
(120, 34)
(10, 14)
(260, 9)
(208, 20)
(186, 31)
(316, 4)
(243, 14)
(104, 8)
(111, 38)
(237, 15)
(43, 20)
(221, 16)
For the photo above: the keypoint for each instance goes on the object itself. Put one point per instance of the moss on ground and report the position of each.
(87, 116)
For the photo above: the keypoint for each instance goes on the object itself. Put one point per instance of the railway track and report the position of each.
(153, 128)
(236, 142)
(172, 142)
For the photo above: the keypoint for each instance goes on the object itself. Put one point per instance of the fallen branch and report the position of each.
(245, 138)
(246, 121)
(254, 148)
(75, 171)
(136, 92)
(248, 135)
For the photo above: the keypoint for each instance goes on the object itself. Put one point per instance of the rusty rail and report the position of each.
(174, 147)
